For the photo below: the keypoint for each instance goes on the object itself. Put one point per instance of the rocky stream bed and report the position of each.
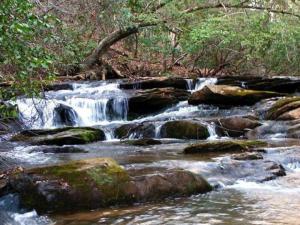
(158, 151)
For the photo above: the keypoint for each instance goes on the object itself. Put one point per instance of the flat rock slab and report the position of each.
(226, 96)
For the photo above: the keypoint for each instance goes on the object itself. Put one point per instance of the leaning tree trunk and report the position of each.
(95, 57)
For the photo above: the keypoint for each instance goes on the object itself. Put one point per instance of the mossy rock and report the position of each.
(143, 142)
(248, 156)
(99, 182)
(284, 109)
(231, 146)
(226, 96)
(184, 130)
(61, 136)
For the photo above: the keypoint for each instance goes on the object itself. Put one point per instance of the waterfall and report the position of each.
(86, 105)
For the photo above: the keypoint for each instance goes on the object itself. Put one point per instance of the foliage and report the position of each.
(23, 40)
(36, 39)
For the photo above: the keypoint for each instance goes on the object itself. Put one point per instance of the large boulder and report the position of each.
(184, 129)
(224, 96)
(179, 83)
(134, 130)
(283, 85)
(284, 109)
(235, 126)
(61, 136)
(154, 100)
(99, 182)
(230, 146)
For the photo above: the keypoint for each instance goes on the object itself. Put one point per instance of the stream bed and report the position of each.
(239, 195)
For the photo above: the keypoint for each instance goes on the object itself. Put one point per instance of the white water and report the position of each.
(199, 83)
(12, 214)
(100, 103)
(88, 105)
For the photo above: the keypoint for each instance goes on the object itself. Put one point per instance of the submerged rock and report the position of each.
(235, 126)
(229, 171)
(143, 142)
(59, 149)
(142, 130)
(184, 130)
(285, 109)
(248, 156)
(179, 83)
(154, 100)
(61, 136)
(223, 146)
(99, 182)
(224, 96)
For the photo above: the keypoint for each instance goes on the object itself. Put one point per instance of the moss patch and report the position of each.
(62, 136)
(282, 106)
(223, 146)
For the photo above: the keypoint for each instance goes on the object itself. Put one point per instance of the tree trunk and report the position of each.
(105, 44)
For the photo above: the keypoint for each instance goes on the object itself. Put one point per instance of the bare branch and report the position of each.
(239, 6)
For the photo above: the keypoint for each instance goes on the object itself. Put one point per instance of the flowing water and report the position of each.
(239, 198)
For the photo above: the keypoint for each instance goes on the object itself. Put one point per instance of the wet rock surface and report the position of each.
(247, 156)
(61, 136)
(235, 126)
(154, 100)
(143, 142)
(182, 129)
(142, 130)
(226, 96)
(65, 115)
(61, 188)
(59, 149)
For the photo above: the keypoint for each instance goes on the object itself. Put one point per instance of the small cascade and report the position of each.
(211, 127)
(202, 82)
(190, 84)
(157, 130)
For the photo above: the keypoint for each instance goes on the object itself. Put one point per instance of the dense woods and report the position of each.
(41, 39)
